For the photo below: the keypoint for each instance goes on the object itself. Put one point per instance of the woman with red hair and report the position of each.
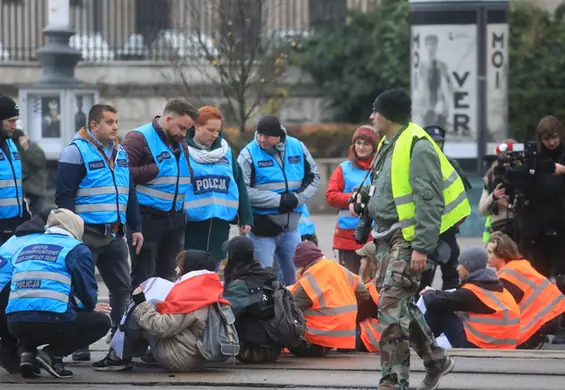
(344, 181)
(217, 196)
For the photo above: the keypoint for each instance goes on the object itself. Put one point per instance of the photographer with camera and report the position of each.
(543, 219)
(495, 199)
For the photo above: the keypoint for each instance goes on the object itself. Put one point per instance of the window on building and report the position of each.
(325, 13)
(151, 17)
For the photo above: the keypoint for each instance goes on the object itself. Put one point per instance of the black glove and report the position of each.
(138, 296)
(289, 201)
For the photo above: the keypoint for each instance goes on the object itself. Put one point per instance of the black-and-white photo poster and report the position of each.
(444, 79)
(497, 81)
(81, 106)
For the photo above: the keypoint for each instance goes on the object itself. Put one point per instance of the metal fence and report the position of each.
(110, 30)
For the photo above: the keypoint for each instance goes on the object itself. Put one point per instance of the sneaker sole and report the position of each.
(50, 369)
(112, 368)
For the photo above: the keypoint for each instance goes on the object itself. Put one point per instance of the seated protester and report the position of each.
(9, 358)
(540, 300)
(174, 327)
(478, 314)
(368, 334)
(328, 294)
(53, 297)
(244, 285)
(368, 264)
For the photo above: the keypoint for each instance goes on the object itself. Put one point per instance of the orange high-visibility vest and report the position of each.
(370, 335)
(542, 300)
(499, 330)
(330, 322)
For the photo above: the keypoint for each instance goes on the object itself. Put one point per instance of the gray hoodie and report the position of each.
(270, 199)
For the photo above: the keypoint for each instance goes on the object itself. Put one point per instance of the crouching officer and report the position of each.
(8, 344)
(53, 297)
(479, 314)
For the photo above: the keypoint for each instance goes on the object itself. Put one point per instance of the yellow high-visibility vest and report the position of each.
(457, 206)
(488, 230)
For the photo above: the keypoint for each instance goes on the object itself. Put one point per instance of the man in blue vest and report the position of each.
(13, 209)
(281, 176)
(93, 180)
(158, 161)
(9, 358)
(53, 296)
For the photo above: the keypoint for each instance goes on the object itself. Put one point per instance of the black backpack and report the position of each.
(287, 327)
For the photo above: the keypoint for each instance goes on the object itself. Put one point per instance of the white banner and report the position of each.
(444, 80)
(497, 82)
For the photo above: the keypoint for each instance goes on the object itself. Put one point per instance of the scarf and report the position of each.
(209, 156)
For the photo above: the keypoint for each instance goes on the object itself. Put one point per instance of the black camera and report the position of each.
(515, 167)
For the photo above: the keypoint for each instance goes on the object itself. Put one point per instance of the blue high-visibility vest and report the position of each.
(306, 225)
(7, 252)
(271, 176)
(213, 192)
(352, 177)
(41, 280)
(173, 178)
(11, 192)
(102, 195)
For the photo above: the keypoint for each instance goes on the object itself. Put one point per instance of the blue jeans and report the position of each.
(281, 246)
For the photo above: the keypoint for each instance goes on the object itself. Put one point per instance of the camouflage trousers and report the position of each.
(402, 324)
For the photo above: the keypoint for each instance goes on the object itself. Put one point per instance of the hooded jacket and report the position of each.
(271, 199)
(462, 299)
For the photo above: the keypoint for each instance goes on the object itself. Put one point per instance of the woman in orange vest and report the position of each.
(540, 300)
(478, 314)
(327, 293)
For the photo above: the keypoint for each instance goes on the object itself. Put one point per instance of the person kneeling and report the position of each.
(174, 327)
(328, 294)
(53, 297)
(480, 313)
(540, 300)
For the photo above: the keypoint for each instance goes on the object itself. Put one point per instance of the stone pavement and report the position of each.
(475, 370)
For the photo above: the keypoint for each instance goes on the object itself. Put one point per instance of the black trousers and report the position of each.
(62, 338)
(451, 326)
(449, 274)
(8, 342)
(163, 240)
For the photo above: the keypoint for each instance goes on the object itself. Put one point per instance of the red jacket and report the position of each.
(343, 238)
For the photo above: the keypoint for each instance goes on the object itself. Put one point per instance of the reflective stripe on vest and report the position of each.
(370, 335)
(542, 300)
(331, 319)
(305, 224)
(11, 192)
(488, 230)
(102, 195)
(455, 198)
(270, 176)
(213, 192)
(7, 252)
(173, 178)
(41, 279)
(499, 330)
(352, 178)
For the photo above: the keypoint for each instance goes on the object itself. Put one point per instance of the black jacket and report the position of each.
(462, 299)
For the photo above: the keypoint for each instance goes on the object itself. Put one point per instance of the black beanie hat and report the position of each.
(239, 249)
(270, 125)
(395, 105)
(8, 108)
(196, 260)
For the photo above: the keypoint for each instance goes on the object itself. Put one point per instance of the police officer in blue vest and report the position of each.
(13, 209)
(158, 159)
(53, 296)
(93, 180)
(281, 176)
(9, 358)
(306, 227)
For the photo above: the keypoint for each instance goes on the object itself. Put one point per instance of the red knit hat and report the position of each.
(368, 134)
(306, 253)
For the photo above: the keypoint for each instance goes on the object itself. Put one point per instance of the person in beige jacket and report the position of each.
(174, 326)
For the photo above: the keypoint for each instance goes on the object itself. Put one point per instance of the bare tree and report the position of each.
(240, 56)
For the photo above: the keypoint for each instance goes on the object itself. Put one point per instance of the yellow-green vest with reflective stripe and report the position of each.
(456, 204)
(487, 231)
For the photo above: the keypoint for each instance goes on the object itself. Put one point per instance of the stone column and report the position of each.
(56, 56)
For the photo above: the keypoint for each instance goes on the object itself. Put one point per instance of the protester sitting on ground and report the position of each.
(173, 327)
(53, 297)
(9, 358)
(368, 264)
(540, 300)
(480, 313)
(328, 294)
(248, 287)
(368, 333)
